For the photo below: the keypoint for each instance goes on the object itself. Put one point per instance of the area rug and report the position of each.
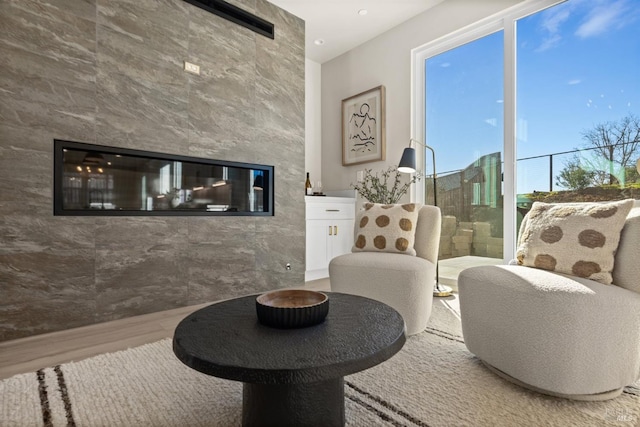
(433, 381)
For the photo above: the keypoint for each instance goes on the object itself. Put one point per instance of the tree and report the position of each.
(574, 177)
(608, 157)
(604, 171)
(632, 174)
(617, 142)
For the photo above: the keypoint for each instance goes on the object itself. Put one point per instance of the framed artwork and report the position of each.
(363, 128)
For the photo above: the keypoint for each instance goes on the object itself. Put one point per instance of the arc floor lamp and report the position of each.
(408, 165)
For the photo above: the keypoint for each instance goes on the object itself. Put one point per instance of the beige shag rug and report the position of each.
(432, 381)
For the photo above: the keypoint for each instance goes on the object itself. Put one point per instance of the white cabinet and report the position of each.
(330, 223)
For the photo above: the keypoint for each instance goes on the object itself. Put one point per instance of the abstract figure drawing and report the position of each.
(362, 130)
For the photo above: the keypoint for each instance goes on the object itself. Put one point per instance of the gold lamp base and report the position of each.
(442, 291)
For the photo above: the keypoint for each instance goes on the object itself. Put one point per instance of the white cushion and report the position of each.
(386, 228)
(626, 270)
(403, 282)
(579, 239)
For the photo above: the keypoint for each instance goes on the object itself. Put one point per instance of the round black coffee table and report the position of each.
(292, 377)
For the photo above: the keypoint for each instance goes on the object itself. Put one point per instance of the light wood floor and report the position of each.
(32, 353)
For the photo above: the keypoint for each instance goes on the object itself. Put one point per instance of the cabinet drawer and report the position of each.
(330, 211)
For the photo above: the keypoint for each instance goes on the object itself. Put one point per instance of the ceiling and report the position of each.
(339, 25)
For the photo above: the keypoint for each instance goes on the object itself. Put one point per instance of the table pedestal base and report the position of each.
(307, 404)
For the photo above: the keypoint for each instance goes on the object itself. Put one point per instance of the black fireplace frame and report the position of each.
(59, 146)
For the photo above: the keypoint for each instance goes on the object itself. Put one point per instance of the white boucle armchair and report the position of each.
(554, 333)
(402, 281)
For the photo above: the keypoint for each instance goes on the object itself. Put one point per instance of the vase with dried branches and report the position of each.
(385, 187)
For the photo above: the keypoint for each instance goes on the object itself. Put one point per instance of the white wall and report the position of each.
(386, 60)
(313, 121)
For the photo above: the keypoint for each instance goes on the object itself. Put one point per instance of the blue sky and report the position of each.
(578, 65)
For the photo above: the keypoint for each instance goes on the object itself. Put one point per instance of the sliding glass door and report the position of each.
(542, 103)
(578, 103)
(464, 125)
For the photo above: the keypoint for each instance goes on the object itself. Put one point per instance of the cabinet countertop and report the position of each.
(329, 199)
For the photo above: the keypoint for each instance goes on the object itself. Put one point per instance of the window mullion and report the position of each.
(510, 114)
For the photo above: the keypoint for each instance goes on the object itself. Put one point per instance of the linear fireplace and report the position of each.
(98, 180)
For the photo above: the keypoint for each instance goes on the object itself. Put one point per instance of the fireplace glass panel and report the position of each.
(98, 180)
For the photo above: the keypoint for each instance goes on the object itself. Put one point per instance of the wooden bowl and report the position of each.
(292, 308)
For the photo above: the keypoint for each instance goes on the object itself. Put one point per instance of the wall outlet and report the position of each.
(191, 68)
(360, 176)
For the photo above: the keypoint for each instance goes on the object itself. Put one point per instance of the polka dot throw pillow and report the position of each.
(386, 228)
(579, 239)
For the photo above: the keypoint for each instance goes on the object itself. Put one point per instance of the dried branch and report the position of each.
(377, 189)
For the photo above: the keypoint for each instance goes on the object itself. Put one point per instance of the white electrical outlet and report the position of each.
(360, 176)
(191, 68)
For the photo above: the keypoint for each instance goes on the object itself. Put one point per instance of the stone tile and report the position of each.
(236, 148)
(40, 275)
(54, 32)
(223, 231)
(290, 30)
(146, 233)
(47, 87)
(223, 120)
(287, 158)
(149, 24)
(144, 41)
(114, 130)
(218, 270)
(36, 254)
(46, 315)
(84, 9)
(205, 287)
(141, 86)
(26, 159)
(212, 37)
(38, 77)
(277, 107)
(141, 265)
(246, 5)
(281, 240)
(272, 266)
(288, 165)
(280, 71)
(278, 280)
(279, 91)
(137, 280)
(221, 258)
(222, 97)
(26, 185)
(57, 120)
(45, 92)
(132, 112)
(32, 234)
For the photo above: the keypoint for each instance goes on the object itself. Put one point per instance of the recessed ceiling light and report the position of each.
(318, 42)
(363, 12)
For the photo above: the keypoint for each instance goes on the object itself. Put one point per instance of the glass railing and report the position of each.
(471, 199)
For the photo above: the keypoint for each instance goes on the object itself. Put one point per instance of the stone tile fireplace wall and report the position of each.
(110, 72)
